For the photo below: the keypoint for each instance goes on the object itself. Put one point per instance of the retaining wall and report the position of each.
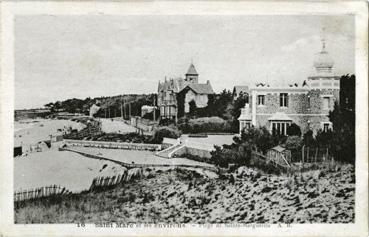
(193, 151)
(114, 145)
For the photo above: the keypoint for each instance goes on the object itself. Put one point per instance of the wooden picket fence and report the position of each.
(314, 155)
(109, 181)
(46, 191)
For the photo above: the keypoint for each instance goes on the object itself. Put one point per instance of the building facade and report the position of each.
(307, 105)
(189, 87)
(199, 93)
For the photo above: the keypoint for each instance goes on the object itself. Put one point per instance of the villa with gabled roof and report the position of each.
(188, 87)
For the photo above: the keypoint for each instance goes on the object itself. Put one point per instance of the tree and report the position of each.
(324, 138)
(180, 104)
(239, 152)
(347, 92)
(308, 138)
(193, 107)
(238, 104)
(294, 144)
(293, 130)
(342, 140)
(168, 132)
(50, 106)
(258, 138)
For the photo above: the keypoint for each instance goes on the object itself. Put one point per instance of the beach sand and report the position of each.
(29, 132)
(182, 196)
(67, 169)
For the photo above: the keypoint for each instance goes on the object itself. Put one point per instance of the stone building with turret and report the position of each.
(189, 87)
(307, 105)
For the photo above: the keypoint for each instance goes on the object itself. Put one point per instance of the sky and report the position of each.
(62, 57)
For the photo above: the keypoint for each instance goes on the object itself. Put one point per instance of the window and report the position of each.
(246, 98)
(326, 127)
(261, 99)
(283, 100)
(308, 102)
(245, 125)
(280, 128)
(326, 103)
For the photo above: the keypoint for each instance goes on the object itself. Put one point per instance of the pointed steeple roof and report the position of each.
(191, 70)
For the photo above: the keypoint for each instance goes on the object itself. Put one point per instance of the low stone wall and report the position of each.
(193, 151)
(168, 142)
(198, 152)
(114, 145)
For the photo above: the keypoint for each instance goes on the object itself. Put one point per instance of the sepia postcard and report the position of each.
(184, 118)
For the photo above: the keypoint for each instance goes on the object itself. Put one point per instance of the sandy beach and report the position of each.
(29, 132)
(115, 126)
(67, 169)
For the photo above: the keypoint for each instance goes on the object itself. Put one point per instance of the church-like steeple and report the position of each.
(192, 75)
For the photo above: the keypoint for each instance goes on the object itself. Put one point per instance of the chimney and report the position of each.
(208, 82)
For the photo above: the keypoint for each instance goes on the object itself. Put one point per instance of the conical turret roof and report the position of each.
(192, 70)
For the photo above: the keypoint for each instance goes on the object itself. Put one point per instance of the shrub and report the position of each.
(294, 143)
(204, 124)
(239, 153)
(293, 130)
(259, 138)
(127, 137)
(166, 122)
(324, 139)
(162, 132)
(308, 138)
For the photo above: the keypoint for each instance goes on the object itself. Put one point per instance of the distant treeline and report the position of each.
(113, 106)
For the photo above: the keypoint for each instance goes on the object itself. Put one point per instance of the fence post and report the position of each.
(307, 155)
(316, 154)
(303, 154)
(327, 153)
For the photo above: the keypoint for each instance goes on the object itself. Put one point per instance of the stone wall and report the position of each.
(114, 145)
(193, 151)
(297, 103)
(304, 108)
(316, 100)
